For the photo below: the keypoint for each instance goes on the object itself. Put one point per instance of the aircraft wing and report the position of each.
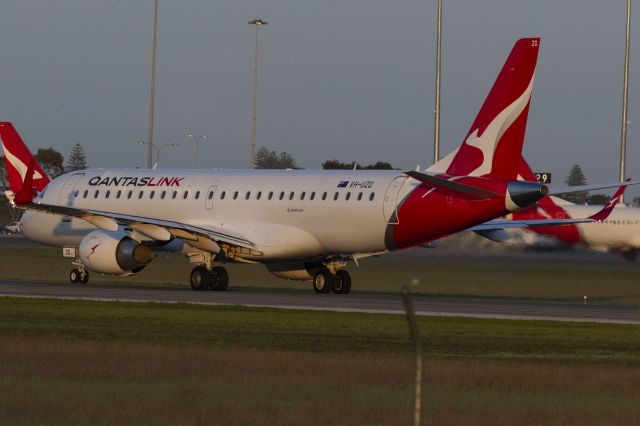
(157, 229)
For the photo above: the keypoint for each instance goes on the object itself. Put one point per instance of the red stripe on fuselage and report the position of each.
(427, 215)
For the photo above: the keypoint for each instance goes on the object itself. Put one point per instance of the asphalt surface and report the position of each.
(389, 304)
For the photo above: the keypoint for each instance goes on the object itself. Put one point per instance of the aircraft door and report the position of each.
(211, 193)
(66, 193)
(391, 200)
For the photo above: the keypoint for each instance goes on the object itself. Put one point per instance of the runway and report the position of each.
(369, 303)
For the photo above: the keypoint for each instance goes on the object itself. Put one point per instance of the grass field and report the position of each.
(78, 362)
(536, 278)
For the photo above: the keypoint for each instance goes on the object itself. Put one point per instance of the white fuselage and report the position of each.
(289, 214)
(620, 230)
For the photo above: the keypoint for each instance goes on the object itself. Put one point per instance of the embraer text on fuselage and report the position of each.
(135, 181)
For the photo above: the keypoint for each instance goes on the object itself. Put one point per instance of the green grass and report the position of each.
(80, 362)
(614, 282)
(314, 331)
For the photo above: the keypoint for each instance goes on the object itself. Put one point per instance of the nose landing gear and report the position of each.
(78, 274)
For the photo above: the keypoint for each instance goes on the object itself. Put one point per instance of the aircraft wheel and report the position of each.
(84, 277)
(323, 282)
(629, 255)
(200, 278)
(342, 282)
(74, 276)
(219, 279)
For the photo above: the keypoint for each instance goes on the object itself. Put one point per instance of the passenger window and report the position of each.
(348, 196)
(107, 194)
(247, 195)
(324, 196)
(174, 195)
(335, 196)
(140, 194)
(85, 193)
(282, 195)
(197, 195)
(259, 195)
(302, 195)
(312, 196)
(372, 196)
(360, 196)
(152, 194)
(185, 195)
(118, 194)
(210, 196)
(291, 195)
(95, 195)
(129, 194)
(164, 194)
(223, 195)
(235, 195)
(270, 195)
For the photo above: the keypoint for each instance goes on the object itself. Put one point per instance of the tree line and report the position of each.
(52, 162)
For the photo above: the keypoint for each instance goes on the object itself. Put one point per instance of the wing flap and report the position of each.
(106, 220)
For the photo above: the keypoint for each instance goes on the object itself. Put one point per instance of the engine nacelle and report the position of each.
(114, 253)
(295, 271)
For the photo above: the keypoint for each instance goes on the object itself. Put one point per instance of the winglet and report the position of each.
(606, 210)
(25, 194)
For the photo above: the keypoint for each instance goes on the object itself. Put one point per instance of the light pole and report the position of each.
(153, 87)
(625, 94)
(436, 124)
(197, 139)
(258, 23)
(158, 149)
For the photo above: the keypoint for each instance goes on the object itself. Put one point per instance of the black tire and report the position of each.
(219, 279)
(342, 282)
(629, 255)
(74, 276)
(85, 278)
(323, 282)
(200, 278)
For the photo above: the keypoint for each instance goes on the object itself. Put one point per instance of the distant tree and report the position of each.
(338, 165)
(77, 159)
(4, 180)
(576, 177)
(379, 165)
(598, 199)
(51, 161)
(266, 159)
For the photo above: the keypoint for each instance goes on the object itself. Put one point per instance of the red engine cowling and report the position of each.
(114, 253)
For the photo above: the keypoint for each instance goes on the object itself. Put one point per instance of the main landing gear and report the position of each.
(216, 279)
(78, 274)
(326, 282)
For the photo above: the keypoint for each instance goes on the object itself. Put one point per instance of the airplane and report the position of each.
(619, 232)
(301, 224)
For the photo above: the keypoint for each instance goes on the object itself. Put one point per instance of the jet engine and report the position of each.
(114, 253)
(295, 271)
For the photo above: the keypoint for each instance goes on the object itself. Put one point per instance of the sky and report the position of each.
(338, 79)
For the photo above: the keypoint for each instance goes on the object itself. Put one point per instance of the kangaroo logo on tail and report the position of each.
(17, 159)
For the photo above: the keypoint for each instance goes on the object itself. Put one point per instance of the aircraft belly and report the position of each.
(54, 230)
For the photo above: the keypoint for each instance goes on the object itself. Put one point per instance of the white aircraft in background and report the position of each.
(619, 232)
(302, 224)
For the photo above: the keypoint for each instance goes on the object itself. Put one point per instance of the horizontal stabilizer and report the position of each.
(557, 190)
(501, 224)
(453, 188)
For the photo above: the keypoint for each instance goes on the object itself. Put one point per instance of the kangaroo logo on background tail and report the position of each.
(494, 142)
(17, 158)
